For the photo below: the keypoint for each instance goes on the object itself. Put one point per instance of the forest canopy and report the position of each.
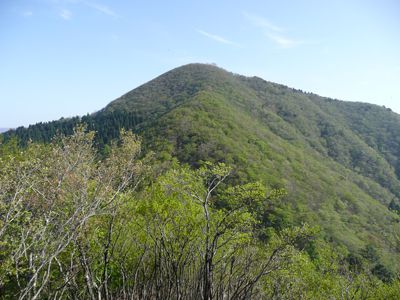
(79, 224)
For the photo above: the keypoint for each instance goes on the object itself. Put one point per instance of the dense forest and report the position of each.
(203, 184)
(106, 126)
(75, 227)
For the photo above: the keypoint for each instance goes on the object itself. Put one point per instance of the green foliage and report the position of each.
(284, 139)
(338, 162)
(76, 227)
(106, 125)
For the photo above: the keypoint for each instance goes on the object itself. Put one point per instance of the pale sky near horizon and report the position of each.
(61, 58)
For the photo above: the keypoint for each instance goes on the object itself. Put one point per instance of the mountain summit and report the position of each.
(338, 161)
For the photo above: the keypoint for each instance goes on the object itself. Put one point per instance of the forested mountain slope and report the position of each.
(339, 161)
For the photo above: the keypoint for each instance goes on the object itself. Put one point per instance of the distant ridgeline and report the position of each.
(106, 125)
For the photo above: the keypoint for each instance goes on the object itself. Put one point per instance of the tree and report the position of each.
(47, 199)
(232, 260)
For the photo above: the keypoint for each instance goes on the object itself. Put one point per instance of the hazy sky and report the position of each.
(71, 57)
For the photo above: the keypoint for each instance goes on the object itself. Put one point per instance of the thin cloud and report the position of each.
(66, 14)
(102, 8)
(262, 22)
(217, 38)
(27, 14)
(284, 42)
(273, 32)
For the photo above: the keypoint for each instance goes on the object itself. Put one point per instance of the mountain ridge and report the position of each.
(288, 116)
(338, 160)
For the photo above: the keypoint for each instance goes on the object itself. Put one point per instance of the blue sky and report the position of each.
(72, 57)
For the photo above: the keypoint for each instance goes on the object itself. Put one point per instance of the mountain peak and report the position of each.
(199, 67)
(172, 88)
(338, 160)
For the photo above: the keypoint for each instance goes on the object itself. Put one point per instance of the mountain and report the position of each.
(4, 129)
(338, 161)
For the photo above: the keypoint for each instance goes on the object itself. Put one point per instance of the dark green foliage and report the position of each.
(355, 262)
(370, 254)
(107, 127)
(383, 273)
(394, 206)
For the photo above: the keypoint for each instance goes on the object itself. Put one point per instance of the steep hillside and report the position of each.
(324, 151)
(338, 160)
